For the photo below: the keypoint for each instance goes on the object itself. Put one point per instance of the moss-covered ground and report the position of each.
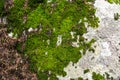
(55, 18)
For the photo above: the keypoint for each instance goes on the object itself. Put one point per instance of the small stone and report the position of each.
(30, 29)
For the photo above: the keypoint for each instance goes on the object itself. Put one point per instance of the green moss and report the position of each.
(56, 58)
(86, 71)
(114, 1)
(80, 78)
(49, 57)
(64, 17)
(15, 17)
(116, 16)
(97, 76)
(34, 3)
(35, 17)
(1, 7)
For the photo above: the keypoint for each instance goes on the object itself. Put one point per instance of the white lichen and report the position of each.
(46, 53)
(48, 41)
(72, 34)
(75, 44)
(30, 29)
(10, 34)
(59, 40)
(48, 1)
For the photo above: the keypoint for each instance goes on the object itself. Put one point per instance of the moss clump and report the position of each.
(86, 71)
(49, 57)
(57, 18)
(97, 76)
(15, 17)
(55, 14)
(116, 16)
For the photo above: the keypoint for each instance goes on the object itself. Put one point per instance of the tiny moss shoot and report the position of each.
(86, 71)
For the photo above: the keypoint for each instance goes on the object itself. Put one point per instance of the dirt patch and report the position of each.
(13, 66)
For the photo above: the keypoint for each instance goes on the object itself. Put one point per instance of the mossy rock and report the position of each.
(56, 18)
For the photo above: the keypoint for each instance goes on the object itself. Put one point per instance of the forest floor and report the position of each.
(13, 65)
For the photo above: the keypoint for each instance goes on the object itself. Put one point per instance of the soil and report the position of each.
(13, 65)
